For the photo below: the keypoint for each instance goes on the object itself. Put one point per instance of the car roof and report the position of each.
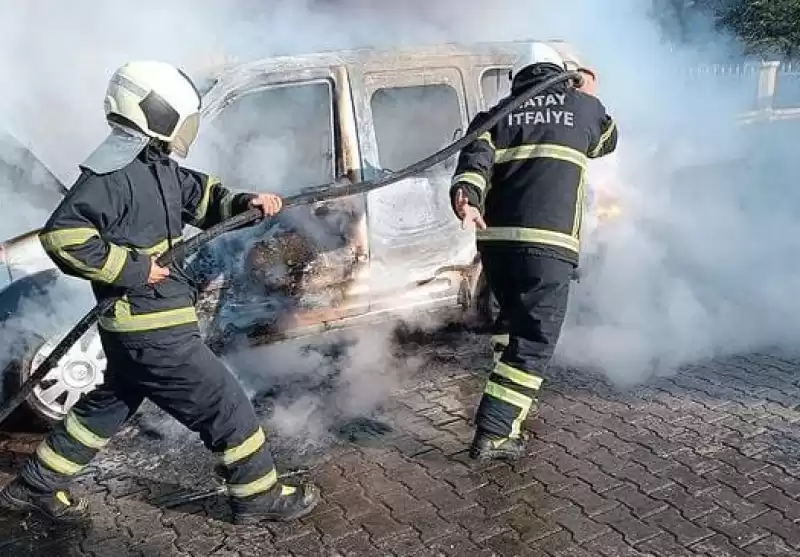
(235, 74)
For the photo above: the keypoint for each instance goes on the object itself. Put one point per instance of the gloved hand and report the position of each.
(469, 215)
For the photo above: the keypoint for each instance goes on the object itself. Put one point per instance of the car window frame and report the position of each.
(482, 74)
(418, 87)
(219, 103)
(376, 79)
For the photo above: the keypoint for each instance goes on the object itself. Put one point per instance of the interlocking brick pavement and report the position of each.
(703, 463)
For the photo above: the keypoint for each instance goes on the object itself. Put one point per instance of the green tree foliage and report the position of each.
(765, 27)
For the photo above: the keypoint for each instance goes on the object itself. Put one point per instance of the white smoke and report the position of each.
(698, 264)
(317, 387)
(41, 314)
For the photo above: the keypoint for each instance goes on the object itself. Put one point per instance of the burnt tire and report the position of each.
(25, 418)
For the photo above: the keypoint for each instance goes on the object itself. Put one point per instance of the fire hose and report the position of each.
(313, 195)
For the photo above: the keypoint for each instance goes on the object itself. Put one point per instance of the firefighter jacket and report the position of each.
(109, 226)
(527, 173)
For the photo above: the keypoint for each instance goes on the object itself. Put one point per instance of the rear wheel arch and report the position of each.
(31, 286)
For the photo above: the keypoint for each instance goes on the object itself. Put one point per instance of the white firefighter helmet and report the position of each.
(147, 100)
(537, 53)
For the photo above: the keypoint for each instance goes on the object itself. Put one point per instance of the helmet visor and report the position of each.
(186, 135)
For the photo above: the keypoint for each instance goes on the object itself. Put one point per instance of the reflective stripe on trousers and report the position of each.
(80, 447)
(181, 375)
(515, 387)
(532, 291)
(236, 454)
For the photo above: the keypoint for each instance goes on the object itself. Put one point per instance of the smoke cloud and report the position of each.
(47, 311)
(699, 263)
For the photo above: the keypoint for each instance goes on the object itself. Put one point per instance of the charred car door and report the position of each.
(283, 133)
(413, 235)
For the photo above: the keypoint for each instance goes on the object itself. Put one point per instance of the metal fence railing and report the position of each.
(787, 86)
(740, 80)
(770, 89)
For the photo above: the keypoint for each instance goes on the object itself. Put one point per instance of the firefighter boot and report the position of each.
(282, 503)
(485, 447)
(58, 506)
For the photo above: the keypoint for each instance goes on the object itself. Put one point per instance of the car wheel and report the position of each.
(80, 371)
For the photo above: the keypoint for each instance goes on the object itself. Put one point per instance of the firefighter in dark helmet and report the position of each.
(522, 184)
(130, 204)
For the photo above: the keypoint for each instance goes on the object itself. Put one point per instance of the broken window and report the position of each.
(278, 139)
(412, 123)
(495, 85)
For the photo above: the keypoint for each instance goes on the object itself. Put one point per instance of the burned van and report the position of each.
(290, 125)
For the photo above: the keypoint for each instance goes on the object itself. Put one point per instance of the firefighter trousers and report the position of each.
(532, 291)
(182, 376)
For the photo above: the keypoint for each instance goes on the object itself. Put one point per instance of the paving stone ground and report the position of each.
(702, 463)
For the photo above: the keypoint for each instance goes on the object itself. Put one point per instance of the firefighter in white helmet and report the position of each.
(522, 185)
(130, 204)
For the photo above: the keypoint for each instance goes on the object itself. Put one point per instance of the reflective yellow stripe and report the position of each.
(56, 241)
(516, 425)
(288, 490)
(110, 271)
(487, 137)
(471, 178)
(603, 138)
(56, 462)
(518, 376)
(160, 247)
(530, 235)
(226, 206)
(63, 499)
(66, 237)
(114, 264)
(524, 152)
(245, 449)
(507, 395)
(262, 484)
(82, 434)
(580, 201)
(202, 206)
(124, 321)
